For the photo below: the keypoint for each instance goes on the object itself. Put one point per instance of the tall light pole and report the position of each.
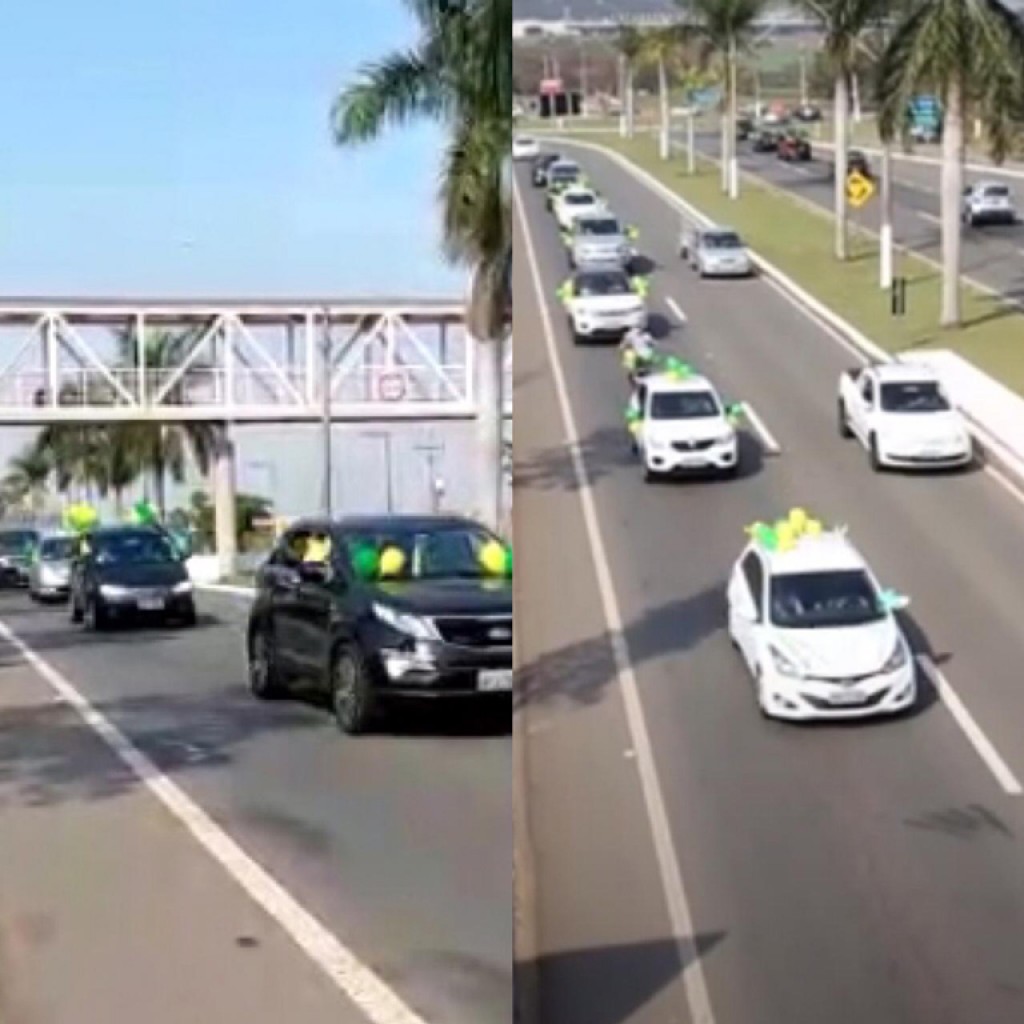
(327, 368)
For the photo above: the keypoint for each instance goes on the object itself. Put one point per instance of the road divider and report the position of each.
(768, 443)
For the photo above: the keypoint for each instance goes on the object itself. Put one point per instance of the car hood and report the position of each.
(724, 255)
(608, 303)
(839, 653)
(668, 431)
(57, 567)
(162, 574)
(605, 243)
(447, 597)
(923, 426)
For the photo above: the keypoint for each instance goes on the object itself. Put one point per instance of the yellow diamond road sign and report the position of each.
(858, 189)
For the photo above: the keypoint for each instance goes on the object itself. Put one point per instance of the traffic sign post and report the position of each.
(391, 386)
(858, 189)
(899, 296)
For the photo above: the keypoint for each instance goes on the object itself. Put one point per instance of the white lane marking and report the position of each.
(768, 442)
(970, 728)
(929, 217)
(362, 986)
(677, 310)
(694, 982)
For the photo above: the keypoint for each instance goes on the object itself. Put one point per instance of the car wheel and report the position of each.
(351, 692)
(188, 618)
(873, 455)
(95, 617)
(76, 611)
(844, 424)
(264, 676)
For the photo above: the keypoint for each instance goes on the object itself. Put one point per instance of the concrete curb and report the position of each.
(995, 452)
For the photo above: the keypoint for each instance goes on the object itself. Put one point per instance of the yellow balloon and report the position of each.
(786, 536)
(629, 359)
(392, 561)
(813, 528)
(798, 519)
(492, 558)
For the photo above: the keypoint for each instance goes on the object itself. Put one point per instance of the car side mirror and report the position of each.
(890, 601)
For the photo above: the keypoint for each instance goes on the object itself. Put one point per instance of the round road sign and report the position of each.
(391, 387)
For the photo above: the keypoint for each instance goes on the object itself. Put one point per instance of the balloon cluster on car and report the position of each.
(786, 533)
(388, 562)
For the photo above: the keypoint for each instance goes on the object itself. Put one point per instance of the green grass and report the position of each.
(800, 243)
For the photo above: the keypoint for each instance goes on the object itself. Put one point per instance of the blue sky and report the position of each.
(177, 147)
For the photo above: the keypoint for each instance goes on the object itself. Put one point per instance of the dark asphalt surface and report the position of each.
(992, 254)
(853, 874)
(399, 843)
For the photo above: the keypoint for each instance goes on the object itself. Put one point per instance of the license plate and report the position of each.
(844, 697)
(151, 604)
(494, 681)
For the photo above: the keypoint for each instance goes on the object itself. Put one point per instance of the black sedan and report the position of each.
(125, 573)
(539, 173)
(17, 548)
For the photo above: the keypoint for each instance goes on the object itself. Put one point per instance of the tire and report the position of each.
(94, 616)
(263, 675)
(843, 422)
(873, 456)
(189, 619)
(352, 697)
(76, 612)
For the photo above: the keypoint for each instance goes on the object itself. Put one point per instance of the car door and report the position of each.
(282, 580)
(861, 405)
(312, 616)
(746, 595)
(641, 405)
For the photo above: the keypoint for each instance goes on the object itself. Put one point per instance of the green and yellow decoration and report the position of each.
(641, 285)
(144, 514)
(496, 558)
(80, 517)
(389, 562)
(785, 534)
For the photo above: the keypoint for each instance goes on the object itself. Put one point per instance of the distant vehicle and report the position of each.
(576, 201)
(126, 573)
(856, 162)
(902, 416)
(50, 574)
(17, 548)
(603, 305)
(715, 252)
(808, 113)
(438, 629)
(540, 168)
(988, 202)
(794, 147)
(766, 140)
(817, 632)
(560, 175)
(599, 241)
(684, 428)
(744, 128)
(525, 148)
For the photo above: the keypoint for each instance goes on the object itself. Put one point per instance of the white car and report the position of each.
(683, 427)
(574, 202)
(602, 304)
(525, 148)
(903, 417)
(988, 202)
(818, 634)
(715, 252)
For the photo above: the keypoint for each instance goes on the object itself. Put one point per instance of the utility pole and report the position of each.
(327, 366)
(431, 451)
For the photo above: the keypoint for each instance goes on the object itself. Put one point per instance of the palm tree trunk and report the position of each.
(118, 503)
(623, 118)
(952, 190)
(724, 147)
(490, 423)
(630, 101)
(841, 115)
(734, 167)
(160, 487)
(663, 105)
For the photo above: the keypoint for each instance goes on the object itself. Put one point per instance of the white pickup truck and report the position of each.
(903, 417)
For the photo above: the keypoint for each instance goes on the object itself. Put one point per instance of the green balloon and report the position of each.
(508, 560)
(144, 513)
(767, 537)
(632, 415)
(365, 561)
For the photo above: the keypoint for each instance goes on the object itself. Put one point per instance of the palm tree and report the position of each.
(661, 47)
(726, 28)
(845, 23)
(630, 45)
(459, 75)
(971, 53)
(27, 478)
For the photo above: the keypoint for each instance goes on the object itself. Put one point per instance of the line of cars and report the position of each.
(819, 634)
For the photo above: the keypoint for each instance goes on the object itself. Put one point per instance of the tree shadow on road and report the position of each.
(604, 985)
(581, 672)
(604, 452)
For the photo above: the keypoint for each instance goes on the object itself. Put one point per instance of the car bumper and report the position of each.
(807, 700)
(425, 671)
(726, 269)
(993, 216)
(719, 457)
(608, 326)
(948, 458)
(51, 591)
(167, 605)
(612, 261)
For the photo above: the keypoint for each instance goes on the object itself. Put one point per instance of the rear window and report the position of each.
(580, 199)
(722, 240)
(57, 549)
(18, 542)
(684, 405)
(996, 192)
(564, 173)
(599, 227)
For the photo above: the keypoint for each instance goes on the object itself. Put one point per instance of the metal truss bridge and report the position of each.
(257, 361)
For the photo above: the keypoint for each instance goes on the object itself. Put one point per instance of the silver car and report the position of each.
(988, 202)
(600, 242)
(49, 577)
(716, 252)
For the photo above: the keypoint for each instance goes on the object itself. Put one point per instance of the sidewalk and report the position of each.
(109, 913)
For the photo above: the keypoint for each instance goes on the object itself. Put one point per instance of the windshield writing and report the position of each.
(823, 599)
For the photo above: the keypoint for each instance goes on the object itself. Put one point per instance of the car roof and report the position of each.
(565, 164)
(665, 383)
(895, 373)
(383, 523)
(831, 551)
(114, 530)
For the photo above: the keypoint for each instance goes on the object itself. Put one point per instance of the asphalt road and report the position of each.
(845, 873)
(992, 254)
(399, 844)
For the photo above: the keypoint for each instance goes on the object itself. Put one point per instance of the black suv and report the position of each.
(441, 627)
(17, 549)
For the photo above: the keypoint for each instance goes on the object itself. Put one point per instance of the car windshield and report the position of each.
(579, 199)
(57, 549)
(564, 173)
(996, 192)
(133, 548)
(18, 542)
(599, 227)
(684, 405)
(722, 240)
(524, 140)
(914, 396)
(439, 553)
(809, 600)
(591, 285)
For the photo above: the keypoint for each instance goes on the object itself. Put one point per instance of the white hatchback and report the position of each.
(819, 635)
(525, 148)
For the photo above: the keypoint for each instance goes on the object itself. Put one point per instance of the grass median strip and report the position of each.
(799, 242)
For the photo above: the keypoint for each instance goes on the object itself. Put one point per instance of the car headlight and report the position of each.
(784, 665)
(113, 590)
(658, 444)
(184, 587)
(897, 659)
(411, 625)
(726, 437)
